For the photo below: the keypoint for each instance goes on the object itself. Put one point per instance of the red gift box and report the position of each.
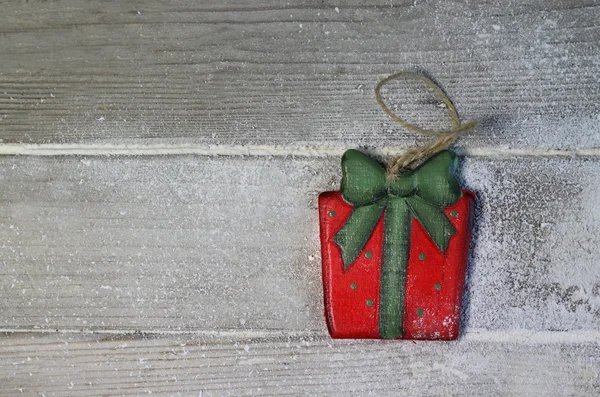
(434, 279)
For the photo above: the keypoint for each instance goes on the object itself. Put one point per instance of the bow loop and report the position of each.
(363, 179)
(435, 180)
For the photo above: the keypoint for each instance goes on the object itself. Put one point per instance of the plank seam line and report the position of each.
(579, 336)
(260, 150)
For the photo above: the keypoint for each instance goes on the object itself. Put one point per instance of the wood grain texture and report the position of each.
(61, 365)
(188, 243)
(155, 254)
(296, 72)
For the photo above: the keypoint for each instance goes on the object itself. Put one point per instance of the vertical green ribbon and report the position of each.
(421, 194)
(396, 247)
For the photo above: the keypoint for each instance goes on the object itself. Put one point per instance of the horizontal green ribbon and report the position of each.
(422, 194)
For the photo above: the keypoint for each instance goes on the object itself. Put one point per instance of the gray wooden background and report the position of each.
(159, 171)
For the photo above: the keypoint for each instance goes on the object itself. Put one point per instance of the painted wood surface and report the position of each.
(159, 243)
(296, 72)
(395, 249)
(86, 365)
(431, 296)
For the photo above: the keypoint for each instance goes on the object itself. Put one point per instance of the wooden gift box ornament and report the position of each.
(395, 242)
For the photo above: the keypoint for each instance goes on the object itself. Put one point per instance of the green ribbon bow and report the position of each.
(421, 194)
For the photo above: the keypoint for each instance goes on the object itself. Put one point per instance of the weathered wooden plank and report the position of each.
(297, 72)
(184, 242)
(63, 365)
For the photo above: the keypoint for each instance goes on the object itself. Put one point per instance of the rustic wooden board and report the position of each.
(295, 72)
(197, 275)
(187, 242)
(61, 365)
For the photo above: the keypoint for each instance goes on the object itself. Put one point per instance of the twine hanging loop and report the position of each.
(445, 137)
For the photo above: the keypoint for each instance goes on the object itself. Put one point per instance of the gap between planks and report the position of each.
(548, 337)
(258, 150)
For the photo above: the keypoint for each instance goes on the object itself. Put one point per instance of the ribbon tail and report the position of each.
(357, 230)
(396, 247)
(434, 221)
